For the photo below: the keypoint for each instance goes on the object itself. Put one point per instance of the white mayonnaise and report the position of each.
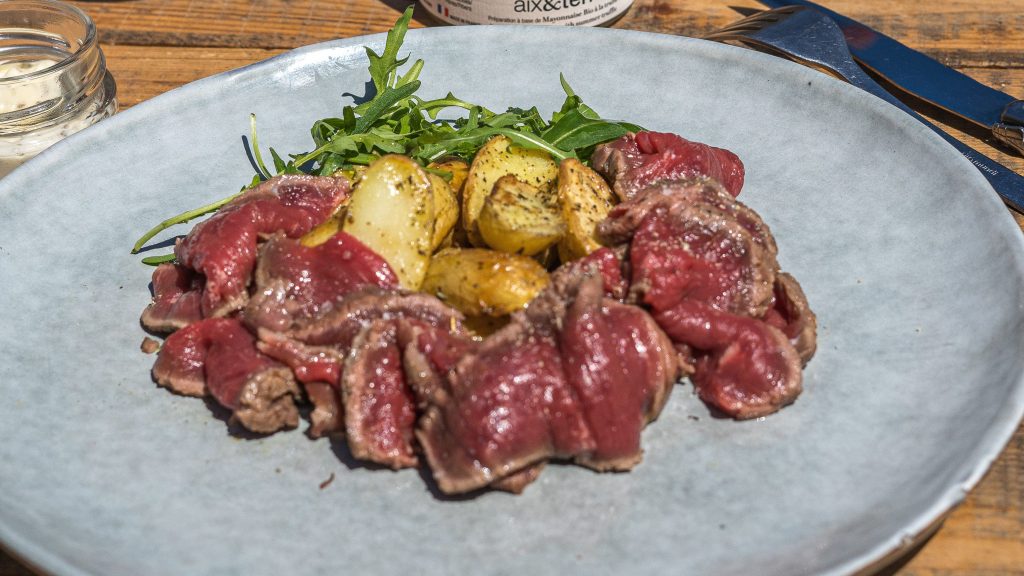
(53, 78)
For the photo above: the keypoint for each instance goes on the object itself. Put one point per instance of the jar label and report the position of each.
(554, 12)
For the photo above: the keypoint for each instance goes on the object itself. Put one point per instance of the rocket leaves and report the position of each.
(395, 120)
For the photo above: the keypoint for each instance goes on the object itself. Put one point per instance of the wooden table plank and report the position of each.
(985, 535)
(952, 31)
(153, 46)
(143, 72)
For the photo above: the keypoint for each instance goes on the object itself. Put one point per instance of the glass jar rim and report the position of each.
(76, 14)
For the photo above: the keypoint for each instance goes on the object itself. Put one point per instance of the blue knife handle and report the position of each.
(1007, 183)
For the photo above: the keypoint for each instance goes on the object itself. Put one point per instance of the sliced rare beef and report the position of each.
(625, 218)
(294, 283)
(607, 262)
(223, 248)
(705, 264)
(502, 408)
(320, 350)
(379, 408)
(310, 364)
(621, 367)
(218, 357)
(516, 483)
(636, 161)
(319, 369)
(748, 368)
(695, 251)
(177, 296)
(575, 376)
(317, 348)
(339, 325)
(328, 415)
(791, 314)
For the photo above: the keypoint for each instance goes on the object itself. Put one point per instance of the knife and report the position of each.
(927, 78)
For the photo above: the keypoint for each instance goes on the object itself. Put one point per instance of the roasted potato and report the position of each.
(323, 231)
(457, 168)
(495, 159)
(353, 174)
(392, 212)
(586, 200)
(446, 210)
(484, 282)
(519, 218)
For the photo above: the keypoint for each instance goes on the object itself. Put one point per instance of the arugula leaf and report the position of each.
(383, 66)
(574, 130)
(183, 218)
(261, 168)
(158, 260)
(382, 102)
(397, 121)
(279, 164)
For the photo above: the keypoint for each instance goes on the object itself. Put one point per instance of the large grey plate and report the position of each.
(912, 264)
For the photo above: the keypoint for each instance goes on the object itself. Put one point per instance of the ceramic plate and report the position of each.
(912, 264)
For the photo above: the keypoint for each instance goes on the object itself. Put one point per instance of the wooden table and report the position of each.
(155, 45)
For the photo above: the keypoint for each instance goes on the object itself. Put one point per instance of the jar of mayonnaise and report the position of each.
(553, 12)
(53, 77)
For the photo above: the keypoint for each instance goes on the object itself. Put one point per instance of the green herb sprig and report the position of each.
(397, 121)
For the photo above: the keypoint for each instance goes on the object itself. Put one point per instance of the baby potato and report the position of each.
(446, 210)
(392, 211)
(457, 168)
(323, 231)
(519, 218)
(586, 200)
(480, 282)
(495, 159)
(353, 174)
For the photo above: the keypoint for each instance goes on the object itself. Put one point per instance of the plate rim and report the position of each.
(992, 443)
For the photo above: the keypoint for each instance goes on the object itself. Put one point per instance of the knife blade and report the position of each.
(927, 78)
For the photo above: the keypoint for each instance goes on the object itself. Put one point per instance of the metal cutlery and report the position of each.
(810, 38)
(927, 78)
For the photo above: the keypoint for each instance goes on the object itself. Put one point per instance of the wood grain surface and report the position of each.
(153, 46)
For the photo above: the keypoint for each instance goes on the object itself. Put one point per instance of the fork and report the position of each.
(808, 37)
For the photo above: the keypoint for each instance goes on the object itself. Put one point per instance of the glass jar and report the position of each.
(53, 77)
(551, 12)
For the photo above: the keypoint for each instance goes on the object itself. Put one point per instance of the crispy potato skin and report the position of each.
(520, 218)
(585, 200)
(459, 171)
(457, 168)
(446, 210)
(392, 211)
(496, 159)
(481, 282)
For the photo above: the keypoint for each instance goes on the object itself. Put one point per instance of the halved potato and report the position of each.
(392, 212)
(457, 168)
(586, 200)
(324, 231)
(519, 218)
(446, 210)
(484, 282)
(496, 159)
(353, 174)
